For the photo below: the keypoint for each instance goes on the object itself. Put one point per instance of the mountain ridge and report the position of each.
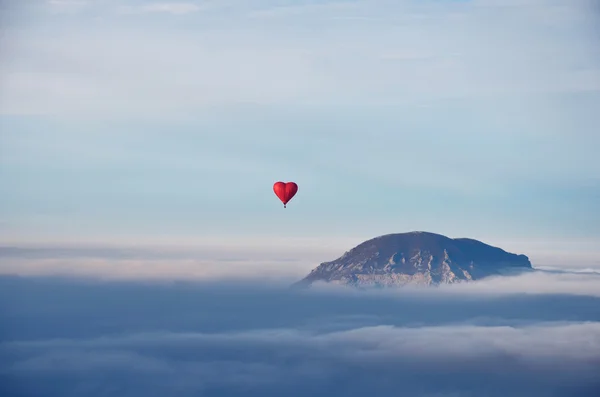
(416, 257)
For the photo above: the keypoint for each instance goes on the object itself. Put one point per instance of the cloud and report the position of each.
(254, 340)
(538, 282)
(536, 343)
(68, 3)
(139, 67)
(306, 8)
(263, 354)
(290, 261)
(52, 7)
(152, 269)
(168, 8)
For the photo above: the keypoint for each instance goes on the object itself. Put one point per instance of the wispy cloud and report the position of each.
(315, 9)
(67, 6)
(68, 3)
(287, 262)
(523, 51)
(168, 8)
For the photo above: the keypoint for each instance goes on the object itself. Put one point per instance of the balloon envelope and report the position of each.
(285, 191)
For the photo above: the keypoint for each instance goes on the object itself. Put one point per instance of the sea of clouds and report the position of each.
(534, 334)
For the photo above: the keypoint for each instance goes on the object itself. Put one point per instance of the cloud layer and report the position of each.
(463, 360)
(286, 262)
(67, 338)
(282, 260)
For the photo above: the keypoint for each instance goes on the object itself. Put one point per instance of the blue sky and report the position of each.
(152, 121)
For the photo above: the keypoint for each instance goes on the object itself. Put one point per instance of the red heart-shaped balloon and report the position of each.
(285, 191)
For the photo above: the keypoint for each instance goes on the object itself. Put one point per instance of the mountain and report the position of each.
(416, 258)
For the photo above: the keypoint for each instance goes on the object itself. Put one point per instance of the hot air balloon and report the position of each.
(285, 191)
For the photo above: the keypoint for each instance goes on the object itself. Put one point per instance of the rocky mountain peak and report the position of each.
(416, 258)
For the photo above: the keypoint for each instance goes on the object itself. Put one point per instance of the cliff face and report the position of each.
(416, 258)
